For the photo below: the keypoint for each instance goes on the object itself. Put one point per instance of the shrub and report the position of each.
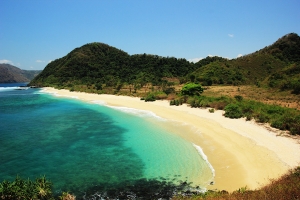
(238, 97)
(26, 189)
(161, 95)
(278, 123)
(219, 105)
(172, 102)
(211, 110)
(150, 97)
(262, 117)
(192, 89)
(233, 111)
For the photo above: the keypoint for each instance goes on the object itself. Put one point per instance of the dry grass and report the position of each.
(268, 96)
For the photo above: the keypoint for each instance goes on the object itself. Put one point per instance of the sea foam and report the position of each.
(199, 149)
(7, 88)
(133, 111)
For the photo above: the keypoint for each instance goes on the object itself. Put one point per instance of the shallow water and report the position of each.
(78, 145)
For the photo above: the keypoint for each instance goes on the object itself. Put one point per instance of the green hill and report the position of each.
(12, 74)
(102, 65)
(273, 65)
(99, 66)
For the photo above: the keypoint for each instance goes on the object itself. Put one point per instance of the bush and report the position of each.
(150, 97)
(233, 111)
(191, 89)
(218, 105)
(161, 95)
(278, 123)
(26, 189)
(211, 110)
(172, 102)
(262, 117)
(238, 97)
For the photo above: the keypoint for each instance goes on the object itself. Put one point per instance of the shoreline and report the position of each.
(241, 152)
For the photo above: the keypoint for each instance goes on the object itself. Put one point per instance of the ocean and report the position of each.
(87, 146)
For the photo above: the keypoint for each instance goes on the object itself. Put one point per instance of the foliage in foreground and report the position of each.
(26, 189)
(130, 189)
(286, 187)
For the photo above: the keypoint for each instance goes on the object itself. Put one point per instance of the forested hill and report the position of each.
(277, 65)
(99, 65)
(12, 74)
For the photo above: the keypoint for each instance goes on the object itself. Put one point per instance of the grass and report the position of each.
(265, 95)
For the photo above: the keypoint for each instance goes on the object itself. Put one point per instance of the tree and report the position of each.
(192, 77)
(192, 89)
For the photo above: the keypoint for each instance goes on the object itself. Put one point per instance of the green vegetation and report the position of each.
(277, 116)
(101, 67)
(192, 89)
(41, 188)
(26, 189)
(279, 61)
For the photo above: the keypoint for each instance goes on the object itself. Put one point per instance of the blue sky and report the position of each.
(34, 32)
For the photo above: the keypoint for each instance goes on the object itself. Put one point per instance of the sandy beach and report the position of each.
(242, 153)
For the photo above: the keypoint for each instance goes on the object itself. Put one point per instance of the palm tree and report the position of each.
(43, 188)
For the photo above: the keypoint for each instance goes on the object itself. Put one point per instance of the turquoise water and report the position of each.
(78, 145)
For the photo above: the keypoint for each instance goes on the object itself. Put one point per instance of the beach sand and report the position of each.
(242, 153)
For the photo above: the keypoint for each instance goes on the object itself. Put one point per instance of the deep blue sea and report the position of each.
(79, 145)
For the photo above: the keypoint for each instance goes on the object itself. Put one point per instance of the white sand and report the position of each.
(242, 153)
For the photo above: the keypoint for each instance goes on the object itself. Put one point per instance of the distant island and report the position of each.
(12, 74)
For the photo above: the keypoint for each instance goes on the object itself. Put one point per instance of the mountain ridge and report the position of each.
(12, 74)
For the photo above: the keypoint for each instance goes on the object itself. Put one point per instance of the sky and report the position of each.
(35, 32)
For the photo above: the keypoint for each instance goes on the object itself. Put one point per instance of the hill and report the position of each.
(101, 65)
(12, 74)
(97, 67)
(276, 65)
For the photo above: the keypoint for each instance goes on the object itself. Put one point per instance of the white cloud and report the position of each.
(6, 61)
(194, 60)
(240, 55)
(39, 61)
(231, 35)
(49, 61)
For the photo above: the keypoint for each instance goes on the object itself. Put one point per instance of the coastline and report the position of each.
(242, 153)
